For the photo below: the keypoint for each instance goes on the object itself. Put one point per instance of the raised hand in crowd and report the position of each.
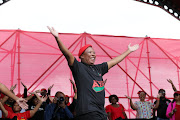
(22, 103)
(50, 87)
(24, 85)
(171, 82)
(13, 87)
(74, 88)
(127, 97)
(38, 91)
(131, 103)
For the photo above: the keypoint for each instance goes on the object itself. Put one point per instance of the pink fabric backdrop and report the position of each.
(34, 59)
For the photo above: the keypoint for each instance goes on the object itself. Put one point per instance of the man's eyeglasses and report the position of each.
(176, 94)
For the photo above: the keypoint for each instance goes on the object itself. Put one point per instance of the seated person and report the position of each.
(16, 110)
(58, 109)
(115, 110)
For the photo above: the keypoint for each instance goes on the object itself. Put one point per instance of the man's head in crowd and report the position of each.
(43, 92)
(59, 98)
(162, 93)
(177, 96)
(35, 100)
(142, 95)
(16, 108)
(113, 99)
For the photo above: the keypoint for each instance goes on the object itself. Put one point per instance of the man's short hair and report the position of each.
(139, 92)
(59, 92)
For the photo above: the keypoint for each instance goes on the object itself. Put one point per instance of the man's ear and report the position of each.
(82, 56)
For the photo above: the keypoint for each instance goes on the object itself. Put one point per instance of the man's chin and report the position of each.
(91, 62)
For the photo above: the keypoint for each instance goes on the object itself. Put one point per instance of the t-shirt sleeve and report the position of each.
(74, 67)
(122, 107)
(108, 109)
(103, 68)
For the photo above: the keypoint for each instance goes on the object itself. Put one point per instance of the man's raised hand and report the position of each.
(133, 48)
(53, 31)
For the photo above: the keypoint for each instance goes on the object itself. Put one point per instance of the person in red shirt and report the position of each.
(173, 110)
(115, 110)
(16, 110)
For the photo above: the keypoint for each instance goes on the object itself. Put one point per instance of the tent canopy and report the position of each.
(170, 6)
(35, 59)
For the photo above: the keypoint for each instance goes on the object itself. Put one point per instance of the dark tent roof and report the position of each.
(3, 1)
(170, 6)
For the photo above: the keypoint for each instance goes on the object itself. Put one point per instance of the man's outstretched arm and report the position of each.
(119, 58)
(68, 55)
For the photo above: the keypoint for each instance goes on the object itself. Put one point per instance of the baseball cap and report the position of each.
(43, 89)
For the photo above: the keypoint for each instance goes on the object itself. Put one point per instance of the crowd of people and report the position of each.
(89, 94)
(41, 106)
